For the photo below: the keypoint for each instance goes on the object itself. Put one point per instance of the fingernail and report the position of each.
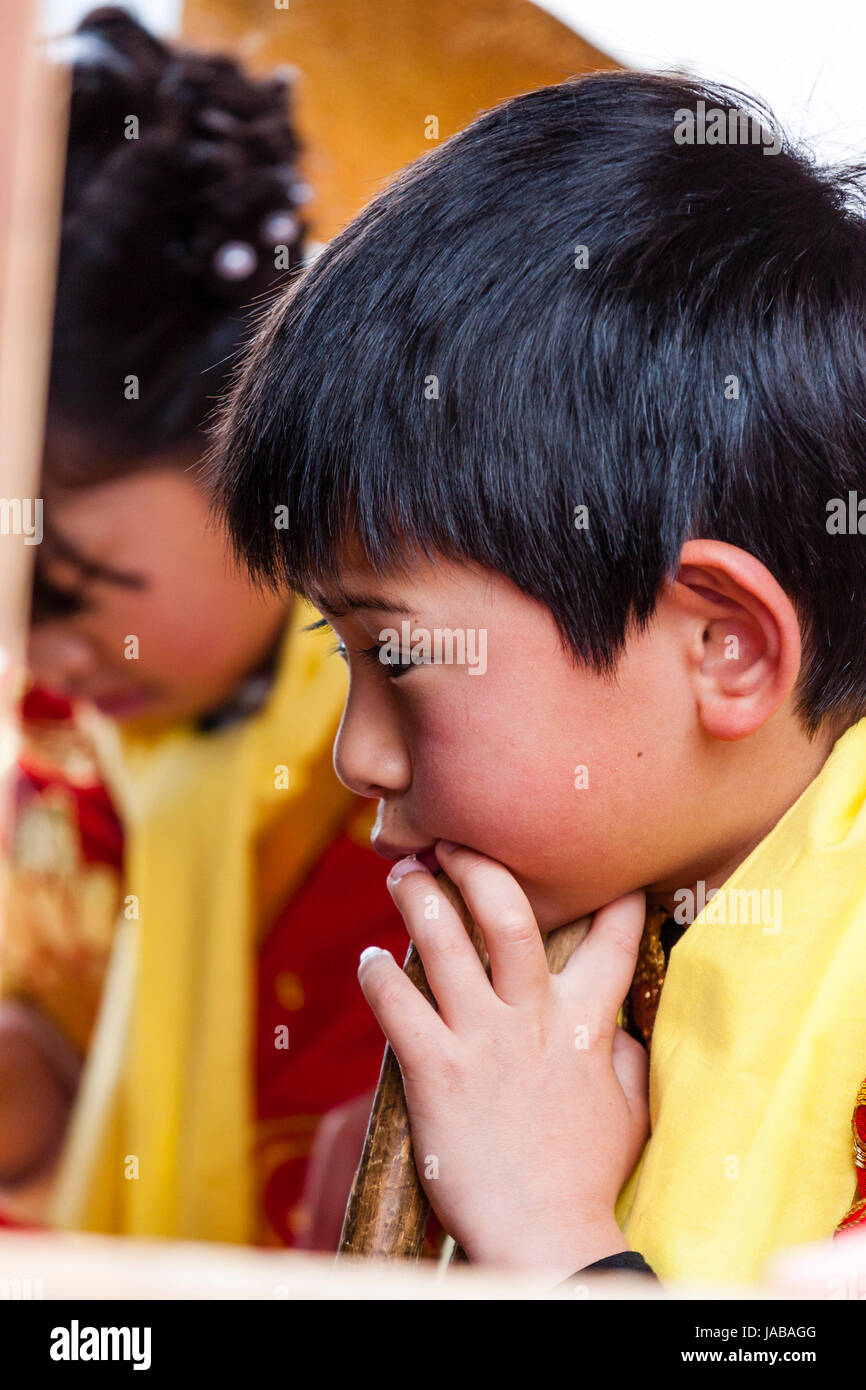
(447, 845)
(369, 951)
(403, 867)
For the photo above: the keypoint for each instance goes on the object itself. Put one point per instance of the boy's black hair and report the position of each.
(446, 377)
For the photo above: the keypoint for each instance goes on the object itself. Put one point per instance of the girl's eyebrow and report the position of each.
(343, 603)
(58, 548)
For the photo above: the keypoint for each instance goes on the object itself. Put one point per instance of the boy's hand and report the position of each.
(528, 1105)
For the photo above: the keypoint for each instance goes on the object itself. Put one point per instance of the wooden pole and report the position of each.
(33, 116)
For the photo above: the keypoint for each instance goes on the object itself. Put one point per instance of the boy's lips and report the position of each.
(425, 853)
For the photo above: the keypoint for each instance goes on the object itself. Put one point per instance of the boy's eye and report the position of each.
(393, 669)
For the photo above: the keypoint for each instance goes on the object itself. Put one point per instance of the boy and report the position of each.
(591, 390)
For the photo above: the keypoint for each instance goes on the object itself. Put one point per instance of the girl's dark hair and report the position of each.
(454, 374)
(173, 158)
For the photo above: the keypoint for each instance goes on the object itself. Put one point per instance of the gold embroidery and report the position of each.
(643, 998)
(289, 990)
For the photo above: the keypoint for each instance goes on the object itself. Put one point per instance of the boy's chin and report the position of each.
(552, 915)
(550, 909)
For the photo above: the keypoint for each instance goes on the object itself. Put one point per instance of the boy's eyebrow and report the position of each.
(351, 603)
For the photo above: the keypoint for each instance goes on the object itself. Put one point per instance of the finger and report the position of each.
(518, 966)
(631, 1065)
(602, 967)
(454, 972)
(411, 1025)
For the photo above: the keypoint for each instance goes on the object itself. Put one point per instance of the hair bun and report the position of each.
(111, 39)
(220, 142)
(169, 226)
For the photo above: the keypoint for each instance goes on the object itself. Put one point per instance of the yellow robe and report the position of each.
(759, 1047)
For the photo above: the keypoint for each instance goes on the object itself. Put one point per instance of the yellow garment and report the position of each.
(160, 1138)
(759, 1047)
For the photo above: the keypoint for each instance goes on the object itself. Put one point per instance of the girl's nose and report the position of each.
(58, 656)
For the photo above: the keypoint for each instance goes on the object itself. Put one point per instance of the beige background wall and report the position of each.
(373, 71)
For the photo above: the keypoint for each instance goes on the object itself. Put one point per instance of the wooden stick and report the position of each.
(387, 1211)
(33, 106)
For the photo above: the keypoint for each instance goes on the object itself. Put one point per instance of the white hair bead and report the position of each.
(235, 260)
(279, 228)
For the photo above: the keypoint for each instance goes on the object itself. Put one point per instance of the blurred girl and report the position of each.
(191, 885)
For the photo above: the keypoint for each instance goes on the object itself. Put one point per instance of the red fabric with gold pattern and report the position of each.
(64, 851)
(856, 1215)
(54, 753)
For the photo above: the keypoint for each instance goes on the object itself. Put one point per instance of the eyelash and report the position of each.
(394, 669)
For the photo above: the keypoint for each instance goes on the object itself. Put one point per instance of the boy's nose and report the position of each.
(370, 756)
(59, 657)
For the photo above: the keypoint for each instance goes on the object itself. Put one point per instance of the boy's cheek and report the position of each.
(569, 852)
(519, 821)
(551, 783)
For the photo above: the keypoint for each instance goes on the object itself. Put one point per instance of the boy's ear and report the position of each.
(740, 637)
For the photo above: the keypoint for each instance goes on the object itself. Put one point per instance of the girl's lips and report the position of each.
(122, 704)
